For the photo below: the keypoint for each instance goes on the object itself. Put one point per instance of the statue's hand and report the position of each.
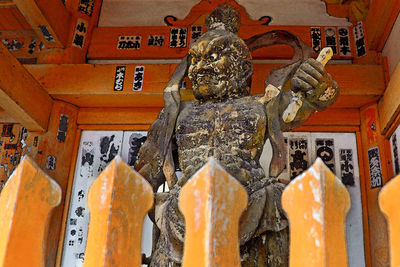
(317, 85)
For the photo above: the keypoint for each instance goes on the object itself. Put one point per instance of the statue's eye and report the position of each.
(213, 56)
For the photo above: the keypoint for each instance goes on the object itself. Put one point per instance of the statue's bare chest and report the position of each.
(240, 123)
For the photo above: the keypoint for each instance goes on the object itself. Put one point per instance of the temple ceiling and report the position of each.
(152, 12)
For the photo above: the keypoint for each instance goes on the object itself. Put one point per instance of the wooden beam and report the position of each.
(12, 19)
(105, 42)
(84, 18)
(5, 118)
(21, 95)
(337, 117)
(389, 105)
(6, 3)
(117, 116)
(86, 85)
(50, 20)
(146, 116)
(379, 22)
(328, 129)
(23, 44)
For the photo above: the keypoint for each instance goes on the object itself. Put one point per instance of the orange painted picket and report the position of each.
(118, 201)
(25, 205)
(316, 203)
(388, 202)
(212, 201)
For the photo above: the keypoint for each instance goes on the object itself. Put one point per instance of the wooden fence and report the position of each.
(212, 201)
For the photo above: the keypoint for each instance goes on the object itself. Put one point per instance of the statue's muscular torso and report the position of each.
(232, 131)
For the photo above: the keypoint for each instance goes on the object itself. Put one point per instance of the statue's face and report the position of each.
(220, 66)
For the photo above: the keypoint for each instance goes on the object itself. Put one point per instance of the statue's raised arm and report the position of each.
(311, 89)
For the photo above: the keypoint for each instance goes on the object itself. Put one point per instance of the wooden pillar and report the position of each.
(377, 172)
(54, 156)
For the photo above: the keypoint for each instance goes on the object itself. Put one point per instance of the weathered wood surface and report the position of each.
(87, 85)
(212, 202)
(49, 145)
(13, 19)
(51, 15)
(390, 208)
(371, 138)
(118, 201)
(145, 116)
(25, 205)
(317, 203)
(22, 96)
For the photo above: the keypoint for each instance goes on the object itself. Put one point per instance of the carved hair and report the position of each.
(224, 17)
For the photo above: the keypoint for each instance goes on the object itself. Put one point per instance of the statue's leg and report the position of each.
(269, 246)
(271, 249)
(277, 247)
(169, 246)
(160, 257)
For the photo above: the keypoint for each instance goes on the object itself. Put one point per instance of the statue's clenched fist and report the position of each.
(316, 84)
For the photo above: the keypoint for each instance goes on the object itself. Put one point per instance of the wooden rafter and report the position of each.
(23, 44)
(21, 96)
(50, 20)
(379, 22)
(86, 85)
(145, 116)
(5, 118)
(105, 42)
(78, 32)
(6, 3)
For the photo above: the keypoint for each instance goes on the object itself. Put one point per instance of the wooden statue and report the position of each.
(226, 122)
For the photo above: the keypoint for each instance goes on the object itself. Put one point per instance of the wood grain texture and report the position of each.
(11, 18)
(392, 213)
(86, 85)
(52, 15)
(25, 204)
(317, 204)
(118, 201)
(212, 202)
(21, 95)
(105, 41)
(63, 152)
(146, 116)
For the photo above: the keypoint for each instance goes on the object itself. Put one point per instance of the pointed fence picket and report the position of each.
(25, 205)
(118, 201)
(388, 202)
(212, 201)
(316, 203)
